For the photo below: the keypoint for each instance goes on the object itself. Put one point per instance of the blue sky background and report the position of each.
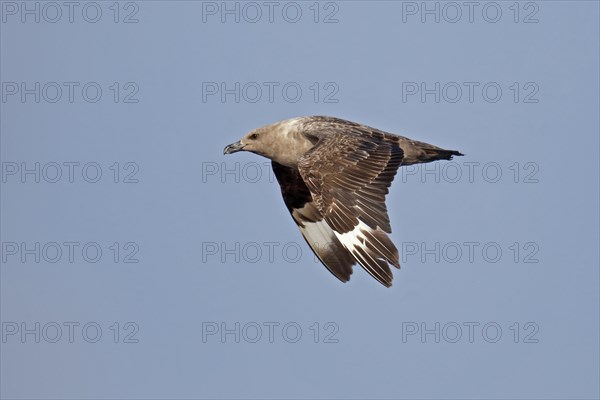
(184, 212)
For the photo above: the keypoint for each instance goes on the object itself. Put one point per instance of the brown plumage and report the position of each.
(334, 175)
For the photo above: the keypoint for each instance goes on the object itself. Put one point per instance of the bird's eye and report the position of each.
(254, 136)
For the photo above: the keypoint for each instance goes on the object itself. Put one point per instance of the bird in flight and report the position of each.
(334, 175)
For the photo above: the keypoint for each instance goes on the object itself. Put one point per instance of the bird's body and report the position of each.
(334, 175)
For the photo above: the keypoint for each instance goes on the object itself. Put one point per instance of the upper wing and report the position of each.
(316, 231)
(348, 176)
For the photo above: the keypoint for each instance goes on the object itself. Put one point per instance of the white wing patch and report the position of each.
(354, 238)
(356, 242)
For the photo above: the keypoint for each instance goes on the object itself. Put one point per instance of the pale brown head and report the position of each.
(282, 142)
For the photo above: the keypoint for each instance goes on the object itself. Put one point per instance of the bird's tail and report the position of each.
(420, 152)
(433, 154)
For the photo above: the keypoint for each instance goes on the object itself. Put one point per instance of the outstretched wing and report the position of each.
(317, 233)
(348, 175)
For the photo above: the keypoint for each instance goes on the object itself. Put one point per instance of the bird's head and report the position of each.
(282, 142)
(256, 141)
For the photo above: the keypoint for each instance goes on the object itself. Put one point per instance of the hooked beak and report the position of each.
(233, 147)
